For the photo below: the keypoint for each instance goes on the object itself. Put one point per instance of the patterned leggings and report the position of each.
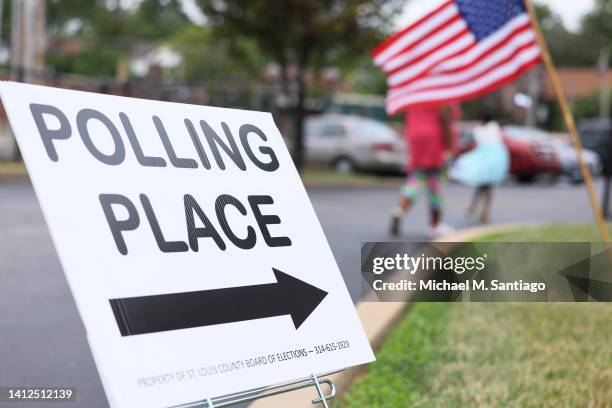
(431, 179)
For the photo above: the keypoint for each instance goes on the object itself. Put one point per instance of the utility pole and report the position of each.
(27, 39)
(1, 18)
(16, 41)
(29, 42)
(16, 51)
(40, 38)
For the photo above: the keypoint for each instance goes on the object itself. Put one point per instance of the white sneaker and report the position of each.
(441, 230)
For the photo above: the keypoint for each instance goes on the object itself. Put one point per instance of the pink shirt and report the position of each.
(425, 137)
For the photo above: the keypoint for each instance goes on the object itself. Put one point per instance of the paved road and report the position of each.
(352, 216)
(42, 340)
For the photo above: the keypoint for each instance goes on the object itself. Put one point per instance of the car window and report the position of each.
(332, 130)
(374, 130)
(324, 129)
(594, 137)
(313, 127)
(595, 126)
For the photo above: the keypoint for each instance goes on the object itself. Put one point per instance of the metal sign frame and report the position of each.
(263, 392)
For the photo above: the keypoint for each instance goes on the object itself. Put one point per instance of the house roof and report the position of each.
(579, 82)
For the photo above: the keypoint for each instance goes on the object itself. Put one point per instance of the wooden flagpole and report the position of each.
(568, 118)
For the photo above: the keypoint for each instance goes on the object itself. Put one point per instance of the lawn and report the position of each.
(10, 169)
(495, 354)
(325, 177)
(551, 233)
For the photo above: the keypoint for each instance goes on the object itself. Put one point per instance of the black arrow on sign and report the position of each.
(174, 311)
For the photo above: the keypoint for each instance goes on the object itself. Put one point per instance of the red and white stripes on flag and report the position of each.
(460, 50)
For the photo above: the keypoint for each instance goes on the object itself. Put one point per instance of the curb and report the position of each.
(365, 184)
(475, 232)
(378, 319)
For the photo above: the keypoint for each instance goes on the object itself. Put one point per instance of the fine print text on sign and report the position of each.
(194, 256)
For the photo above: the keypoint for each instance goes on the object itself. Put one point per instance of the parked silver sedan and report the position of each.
(350, 143)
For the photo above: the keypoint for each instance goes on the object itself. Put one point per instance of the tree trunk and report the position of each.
(284, 75)
(298, 122)
(298, 113)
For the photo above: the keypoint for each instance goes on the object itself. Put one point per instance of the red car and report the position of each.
(529, 155)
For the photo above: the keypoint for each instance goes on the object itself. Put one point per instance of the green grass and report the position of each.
(495, 354)
(326, 177)
(310, 176)
(12, 169)
(550, 233)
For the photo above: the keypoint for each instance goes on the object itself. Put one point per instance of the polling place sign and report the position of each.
(195, 258)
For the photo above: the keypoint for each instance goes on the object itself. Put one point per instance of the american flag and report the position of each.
(460, 50)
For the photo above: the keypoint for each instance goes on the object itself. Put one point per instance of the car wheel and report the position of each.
(526, 178)
(554, 178)
(344, 165)
(576, 177)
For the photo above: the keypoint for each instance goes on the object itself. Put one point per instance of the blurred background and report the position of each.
(308, 63)
(303, 59)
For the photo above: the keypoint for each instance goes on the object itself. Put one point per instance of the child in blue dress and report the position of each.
(484, 167)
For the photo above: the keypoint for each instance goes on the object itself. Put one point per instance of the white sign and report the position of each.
(195, 258)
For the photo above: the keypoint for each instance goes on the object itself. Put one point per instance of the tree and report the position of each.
(206, 59)
(106, 31)
(597, 29)
(567, 48)
(305, 34)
